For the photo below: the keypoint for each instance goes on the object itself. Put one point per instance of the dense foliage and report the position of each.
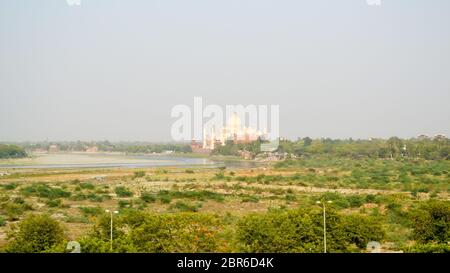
(233, 149)
(422, 147)
(36, 233)
(394, 147)
(106, 146)
(431, 222)
(11, 151)
(301, 231)
(140, 232)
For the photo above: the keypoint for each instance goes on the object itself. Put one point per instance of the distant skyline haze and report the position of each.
(113, 70)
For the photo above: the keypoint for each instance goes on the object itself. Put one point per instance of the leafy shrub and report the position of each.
(36, 233)
(91, 211)
(13, 210)
(370, 198)
(44, 191)
(161, 171)
(138, 174)
(122, 191)
(219, 176)
(9, 186)
(300, 231)
(150, 233)
(355, 200)
(290, 197)
(78, 197)
(428, 248)
(95, 197)
(181, 206)
(148, 197)
(165, 199)
(125, 204)
(431, 222)
(250, 198)
(2, 221)
(198, 195)
(53, 203)
(87, 186)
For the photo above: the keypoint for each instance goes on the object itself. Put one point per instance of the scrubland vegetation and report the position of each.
(400, 201)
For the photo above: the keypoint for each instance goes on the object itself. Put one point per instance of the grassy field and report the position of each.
(78, 198)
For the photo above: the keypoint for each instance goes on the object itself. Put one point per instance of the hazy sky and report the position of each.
(111, 69)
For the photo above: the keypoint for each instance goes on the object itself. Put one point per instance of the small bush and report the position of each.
(181, 206)
(138, 174)
(10, 186)
(14, 210)
(370, 198)
(290, 197)
(78, 197)
(125, 204)
(123, 192)
(53, 203)
(36, 233)
(355, 200)
(44, 191)
(148, 197)
(87, 186)
(165, 199)
(91, 211)
(250, 198)
(161, 171)
(219, 176)
(95, 197)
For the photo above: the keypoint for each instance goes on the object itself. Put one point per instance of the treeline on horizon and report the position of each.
(394, 147)
(436, 148)
(11, 151)
(426, 148)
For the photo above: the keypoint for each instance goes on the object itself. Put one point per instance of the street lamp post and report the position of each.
(111, 228)
(324, 225)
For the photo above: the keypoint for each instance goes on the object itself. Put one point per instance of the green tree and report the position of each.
(431, 222)
(136, 231)
(11, 151)
(302, 231)
(36, 233)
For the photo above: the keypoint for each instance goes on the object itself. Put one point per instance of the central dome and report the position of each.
(234, 123)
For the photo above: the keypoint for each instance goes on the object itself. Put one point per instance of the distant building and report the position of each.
(440, 137)
(423, 137)
(198, 148)
(40, 151)
(53, 148)
(247, 154)
(92, 149)
(233, 131)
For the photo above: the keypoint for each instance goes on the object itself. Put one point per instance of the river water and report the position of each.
(100, 160)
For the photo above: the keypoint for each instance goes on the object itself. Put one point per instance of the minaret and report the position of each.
(224, 136)
(204, 139)
(213, 138)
